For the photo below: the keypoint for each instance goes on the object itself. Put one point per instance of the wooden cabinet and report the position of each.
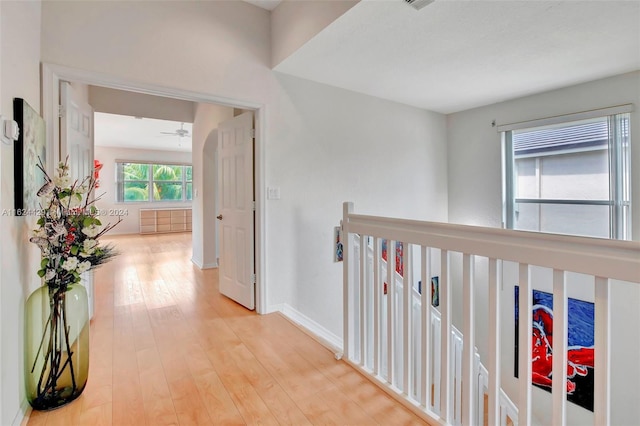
(164, 220)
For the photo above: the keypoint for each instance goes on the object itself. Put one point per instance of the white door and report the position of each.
(237, 209)
(76, 143)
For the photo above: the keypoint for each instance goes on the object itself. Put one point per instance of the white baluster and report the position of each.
(446, 405)
(468, 335)
(602, 367)
(377, 291)
(362, 298)
(524, 355)
(493, 366)
(560, 333)
(391, 310)
(407, 313)
(425, 336)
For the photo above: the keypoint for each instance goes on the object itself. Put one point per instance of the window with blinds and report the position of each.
(570, 177)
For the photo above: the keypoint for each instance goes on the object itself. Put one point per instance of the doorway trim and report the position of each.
(52, 74)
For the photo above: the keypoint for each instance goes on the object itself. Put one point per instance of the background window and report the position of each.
(146, 182)
(570, 178)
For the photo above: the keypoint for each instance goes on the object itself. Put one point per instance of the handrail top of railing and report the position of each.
(450, 228)
(615, 259)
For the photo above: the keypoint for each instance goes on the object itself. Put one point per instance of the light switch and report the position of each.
(10, 130)
(273, 193)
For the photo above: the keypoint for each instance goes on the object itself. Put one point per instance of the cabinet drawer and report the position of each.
(148, 222)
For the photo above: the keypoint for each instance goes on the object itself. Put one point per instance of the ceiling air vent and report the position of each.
(418, 4)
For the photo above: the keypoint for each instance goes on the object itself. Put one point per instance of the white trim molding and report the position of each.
(324, 336)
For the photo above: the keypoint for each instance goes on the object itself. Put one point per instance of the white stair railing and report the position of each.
(394, 335)
(480, 374)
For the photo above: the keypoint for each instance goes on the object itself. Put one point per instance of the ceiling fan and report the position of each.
(181, 132)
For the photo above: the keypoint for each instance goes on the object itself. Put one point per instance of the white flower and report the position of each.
(84, 266)
(51, 273)
(75, 200)
(54, 212)
(89, 245)
(70, 264)
(91, 231)
(81, 189)
(63, 181)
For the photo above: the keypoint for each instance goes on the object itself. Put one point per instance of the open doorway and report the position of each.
(51, 77)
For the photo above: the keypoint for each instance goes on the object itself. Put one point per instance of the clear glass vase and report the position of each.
(56, 345)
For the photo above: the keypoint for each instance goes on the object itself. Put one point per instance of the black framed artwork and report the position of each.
(28, 150)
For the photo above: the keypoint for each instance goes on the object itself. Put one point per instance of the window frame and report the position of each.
(619, 162)
(120, 181)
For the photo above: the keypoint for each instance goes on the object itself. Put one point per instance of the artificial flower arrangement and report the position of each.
(69, 228)
(57, 353)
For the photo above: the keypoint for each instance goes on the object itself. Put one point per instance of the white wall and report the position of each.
(206, 121)
(293, 23)
(131, 211)
(209, 200)
(474, 167)
(332, 146)
(20, 77)
(323, 145)
(122, 102)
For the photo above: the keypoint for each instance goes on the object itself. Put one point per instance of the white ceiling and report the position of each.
(113, 130)
(265, 4)
(455, 55)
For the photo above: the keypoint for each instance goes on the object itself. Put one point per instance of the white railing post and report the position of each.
(560, 334)
(602, 364)
(468, 339)
(446, 405)
(493, 366)
(524, 345)
(347, 208)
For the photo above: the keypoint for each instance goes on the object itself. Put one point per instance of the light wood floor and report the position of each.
(167, 348)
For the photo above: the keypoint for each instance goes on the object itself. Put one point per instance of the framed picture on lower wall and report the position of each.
(580, 344)
(29, 149)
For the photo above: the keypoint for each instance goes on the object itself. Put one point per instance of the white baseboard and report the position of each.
(203, 265)
(23, 414)
(326, 337)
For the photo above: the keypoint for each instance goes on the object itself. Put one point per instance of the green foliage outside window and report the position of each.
(168, 182)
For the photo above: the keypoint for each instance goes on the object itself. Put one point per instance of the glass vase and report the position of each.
(56, 345)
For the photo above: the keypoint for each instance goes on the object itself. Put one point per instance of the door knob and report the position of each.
(219, 217)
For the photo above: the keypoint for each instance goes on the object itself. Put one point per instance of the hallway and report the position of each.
(167, 348)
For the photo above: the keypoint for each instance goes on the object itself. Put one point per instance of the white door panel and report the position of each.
(236, 267)
(76, 142)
